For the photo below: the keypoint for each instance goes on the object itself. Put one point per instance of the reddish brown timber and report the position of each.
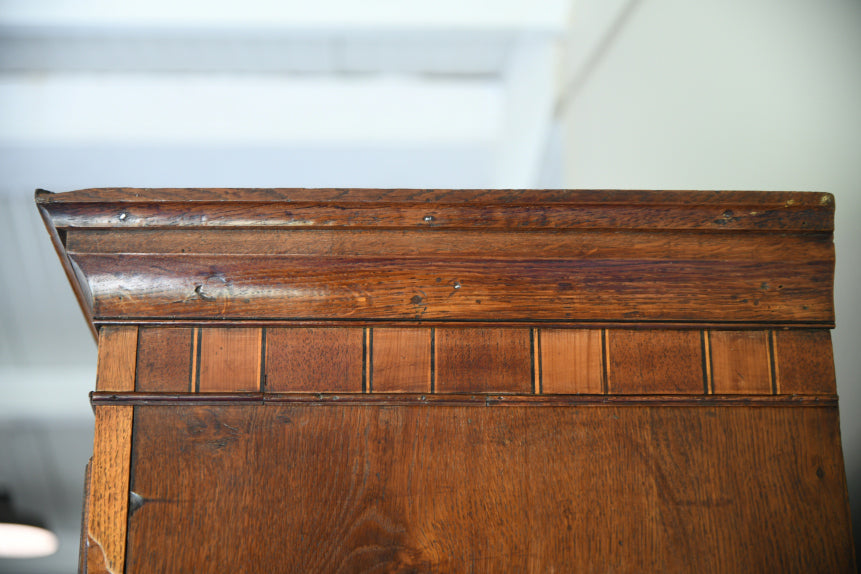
(804, 362)
(289, 287)
(628, 489)
(387, 399)
(164, 359)
(318, 255)
(521, 244)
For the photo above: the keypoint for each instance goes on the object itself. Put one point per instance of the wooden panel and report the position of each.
(117, 357)
(654, 362)
(804, 362)
(285, 287)
(416, 489)
(164, 359)
(453, 243)
(107, 506)
(401, 360)
(483, 360)
(230, 359)
(314, 359)
(571, 361)
(740, 362)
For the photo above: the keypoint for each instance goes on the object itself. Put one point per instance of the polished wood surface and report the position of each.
(476, 489)
(164, 359)
(117, 358)
(741, 362)
(483, 360)
(470, 360)
(804, 362)
(338, 380)
(108, 494)
(401, 360)
(229, 359)
(413, 255)
(320, 359)
(571, 361)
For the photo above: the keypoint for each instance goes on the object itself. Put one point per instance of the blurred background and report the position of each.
(648, 94)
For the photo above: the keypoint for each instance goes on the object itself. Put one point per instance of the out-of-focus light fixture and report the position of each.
(22, 536)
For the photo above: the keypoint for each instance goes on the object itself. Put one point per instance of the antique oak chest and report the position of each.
(332, 380)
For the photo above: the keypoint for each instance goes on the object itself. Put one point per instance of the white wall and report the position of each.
(738, 94)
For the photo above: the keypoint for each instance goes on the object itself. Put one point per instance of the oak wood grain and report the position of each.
(295, 287)
(230, 359)
(164, 362)
(654, 362)
(483, 360)
(107, 506)
(400, 360)
(740, 362)
(804, 362)
(475, 489)
(316, 359)
(117, 358)
(572, 361)
(453, 243)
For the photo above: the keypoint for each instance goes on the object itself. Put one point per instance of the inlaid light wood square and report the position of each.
(571, 361)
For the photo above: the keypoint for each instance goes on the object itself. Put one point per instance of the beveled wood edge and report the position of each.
(75, 278)
(99, 398)
(640, 197)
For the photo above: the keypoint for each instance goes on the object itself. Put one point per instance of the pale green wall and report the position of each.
(741, 94)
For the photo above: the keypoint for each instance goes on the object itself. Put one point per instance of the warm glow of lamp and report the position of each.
(21, 536)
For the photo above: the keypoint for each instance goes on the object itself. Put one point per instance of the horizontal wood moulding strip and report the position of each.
(483, 400)
(405, 288)
(437, 243)
(518, 361)
(381, 323)
(406, 216)
(773, 199)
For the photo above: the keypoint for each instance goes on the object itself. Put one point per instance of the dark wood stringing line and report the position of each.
(262, 384)
(433, 360)
(771, 367)
(365, 360)
(371, 360)
(711, 368)
(534, 361)
(540, 365)
(605, 362)
(198, 337)
(192, 350)
(704, 361)
(137, 357)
